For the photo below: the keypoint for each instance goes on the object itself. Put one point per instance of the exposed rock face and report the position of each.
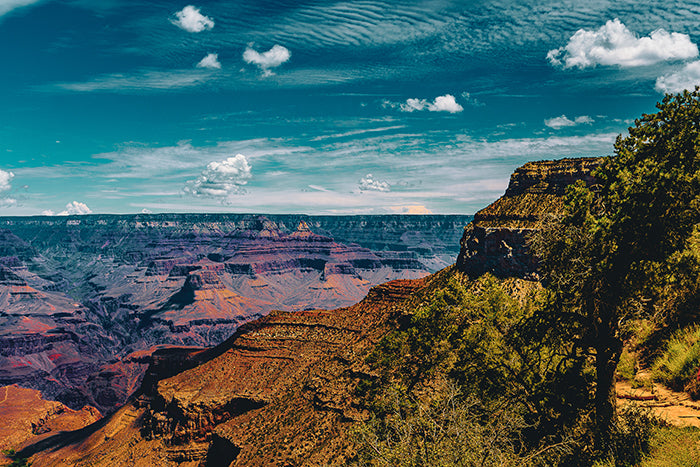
(26, 417)
(80, 296)
(496, 240)
(281, 391)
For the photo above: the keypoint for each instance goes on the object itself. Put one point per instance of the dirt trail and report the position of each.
(677, 408)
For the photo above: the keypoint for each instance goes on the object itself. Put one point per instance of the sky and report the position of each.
(318, 107)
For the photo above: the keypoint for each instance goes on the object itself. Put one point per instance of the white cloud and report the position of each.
(8, 202)
(146, 211)
(139, 81)
(221, 179)
(5, 180)
(413, 104)
(191, 20)
(563, 121)
(48, 212)
(273, 58)
(687, 78)
(8, 5)
(368, 183)
(614, 44)
(75, 208)
(471, 100)
(210, 61)
(446, 103)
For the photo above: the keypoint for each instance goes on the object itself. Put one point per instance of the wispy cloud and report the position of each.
(7, 6)
(358, 132)
(139, 81)
(273, 58)
(210, 61)
(191, 20)
(563, 121)
(614, 44)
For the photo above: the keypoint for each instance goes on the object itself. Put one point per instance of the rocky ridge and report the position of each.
(496, 239)
(279, 392)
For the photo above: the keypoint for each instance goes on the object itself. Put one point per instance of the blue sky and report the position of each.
(318, 107)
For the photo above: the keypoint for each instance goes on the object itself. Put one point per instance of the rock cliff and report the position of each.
(281, 391)
(80, 296)
(496, 240)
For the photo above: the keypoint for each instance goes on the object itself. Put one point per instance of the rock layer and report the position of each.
(79, 296)
(496, 240)
(281, 391)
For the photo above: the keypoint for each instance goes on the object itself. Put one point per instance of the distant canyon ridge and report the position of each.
(86, 300)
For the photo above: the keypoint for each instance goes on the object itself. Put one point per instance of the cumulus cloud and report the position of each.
(446, 103)
(369, 183)
(687, 78)
(221, 179)
(273, 58)
(191, 20)
(614, 44)
(210, 61)
(75, 208)
(48, 212)
(5, 185)
(563, 121)
(5, 180)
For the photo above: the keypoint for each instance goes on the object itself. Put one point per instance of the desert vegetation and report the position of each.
(510, 372)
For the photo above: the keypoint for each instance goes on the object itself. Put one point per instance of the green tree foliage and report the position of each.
(448, 430)
(601, 258)
(476, 336)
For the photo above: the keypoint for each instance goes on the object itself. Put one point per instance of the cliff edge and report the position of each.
(496, 240)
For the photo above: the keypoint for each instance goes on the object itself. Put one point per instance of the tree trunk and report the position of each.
(607, 357)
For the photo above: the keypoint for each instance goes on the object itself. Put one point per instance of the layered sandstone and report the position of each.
(281, 391)
(496, 240)
(26, 417)
(80, 296)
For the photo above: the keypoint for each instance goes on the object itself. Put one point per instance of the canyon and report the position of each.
(284, 389)
(86, 301)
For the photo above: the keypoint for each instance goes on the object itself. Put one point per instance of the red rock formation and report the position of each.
(496, 240)
(26, 418)
(279, 392)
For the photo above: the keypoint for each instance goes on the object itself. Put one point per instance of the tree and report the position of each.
(599, 255)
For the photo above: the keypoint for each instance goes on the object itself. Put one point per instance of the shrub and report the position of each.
(626, 368)
(679, 363)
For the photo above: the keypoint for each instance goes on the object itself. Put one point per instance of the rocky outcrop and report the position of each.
(80, 295)
(26, 417)
(496, 240)
(281, 391)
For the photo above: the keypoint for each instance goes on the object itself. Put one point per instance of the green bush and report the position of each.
(627, 366)
(444, 429)
(679, 363)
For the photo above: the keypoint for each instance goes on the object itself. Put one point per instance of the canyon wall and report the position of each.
(496, 240)
(84, 300)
